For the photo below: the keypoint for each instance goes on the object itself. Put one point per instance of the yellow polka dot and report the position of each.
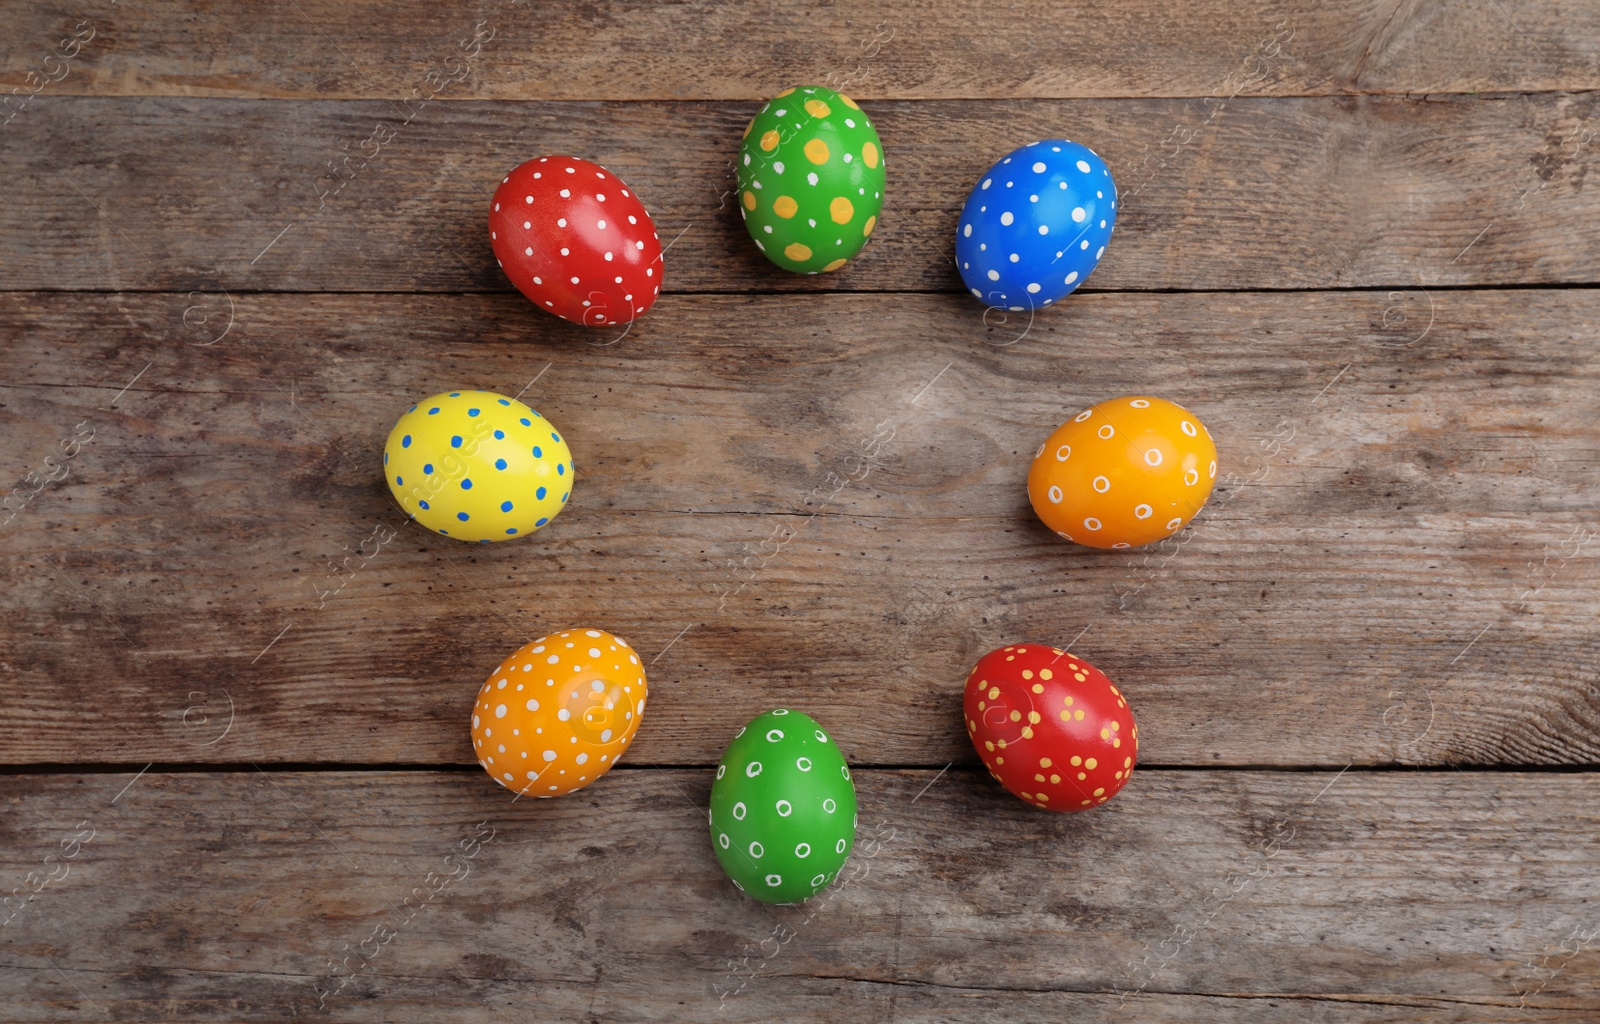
(1067, 701)
(988, 745)
(1105, 734)
(869, 155)
(1077, 716)
(769, 141)
(1090, 764)
(1027, 732)
(1027, 673)
(841, 211)
(784, 93)
(1044, 797)
(817, 108)
(785, 207)
(1055, 779)
(749, 200)
(994, 691)
(1076, 760)
(1038, 687)
(1066, 716)
(747, 128)
(1082, 776)
(847, 101)
(1038, 778)
(1116, 743)
(1045, 673)
(1000, 760)
(1044, 762)
(1001, 744)
(817, 151)
(866, 229)
(1086, 803)
(1033, 716)
(1016, 716)
(1115, 725)
(835, 265)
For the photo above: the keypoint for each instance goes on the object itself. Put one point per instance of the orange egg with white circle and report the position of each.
(1124, 473)
(558, 713)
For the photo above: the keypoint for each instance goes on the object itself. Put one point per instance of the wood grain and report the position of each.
(1398, 566)
(174, 194)
(708, 49)
(1194, 896)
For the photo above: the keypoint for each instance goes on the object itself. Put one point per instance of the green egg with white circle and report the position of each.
(783, 808)
(811, 179)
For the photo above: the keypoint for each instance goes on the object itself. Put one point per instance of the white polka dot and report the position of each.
(1006, 218)
(1092, 523)
(994, 275)
(500, 711)
(1038, 168)
(1102, 484)
(1084, 244)
(1072, 277)
(1083, 165)
(533, 705)
(1078, 214)
(1174, 522)
(1142, 511)
(1055, 495)
(1033, 288)
(986, 183)
(566, 193)
(549, 755)
(1152, 457)
(1044, 229)
(600, 224)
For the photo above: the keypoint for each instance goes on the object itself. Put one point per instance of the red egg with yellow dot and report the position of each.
(1050, 727)
(1125, 473)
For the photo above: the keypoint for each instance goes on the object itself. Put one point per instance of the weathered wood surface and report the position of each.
(1398, 566)
(1200, 896)
(712, 49)
(174, 194)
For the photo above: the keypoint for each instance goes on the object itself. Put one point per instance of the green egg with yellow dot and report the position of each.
(810, 175)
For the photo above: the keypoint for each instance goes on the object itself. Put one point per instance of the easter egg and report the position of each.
(783, 808)
(1035, 225)
(1051, 727)
(576, 240)
(477, 466)
(810, 176)
(1123, 473)
(558, 713)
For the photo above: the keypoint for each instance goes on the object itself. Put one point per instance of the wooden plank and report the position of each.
(710, 50)
(1397, 567)
(1194, 896)
(176, 194)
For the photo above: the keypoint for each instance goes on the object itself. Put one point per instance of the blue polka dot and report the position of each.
(427, 467)
(542, 522)
(385, 462)
(405, 442)
(400, 481)
(537, 453)
(485, 540)
(445, 532)
(412, 409)
(539, 494)
(473, 412)
(561, 469)
(565, 496)
(499, 463)
(505, 401)
(525, 421)
(555, 436)
(511, 529)
(462, 516)
(424, 505)
(466, 485)
(505, 506)
(499, 435)
(455, 441)
(434, 411)
(455, 394)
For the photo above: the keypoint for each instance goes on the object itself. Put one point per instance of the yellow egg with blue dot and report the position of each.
(478, 466)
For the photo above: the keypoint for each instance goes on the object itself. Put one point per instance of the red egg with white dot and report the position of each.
(1050, 727)
(576, 240)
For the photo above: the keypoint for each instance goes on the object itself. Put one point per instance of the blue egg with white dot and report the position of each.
(477, 466)
(1035, 225)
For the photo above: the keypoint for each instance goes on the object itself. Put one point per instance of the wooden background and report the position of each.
(1356, 236)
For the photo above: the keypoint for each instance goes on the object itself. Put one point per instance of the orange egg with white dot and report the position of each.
(557, 714)
(1123, 473)
(1050, 727)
